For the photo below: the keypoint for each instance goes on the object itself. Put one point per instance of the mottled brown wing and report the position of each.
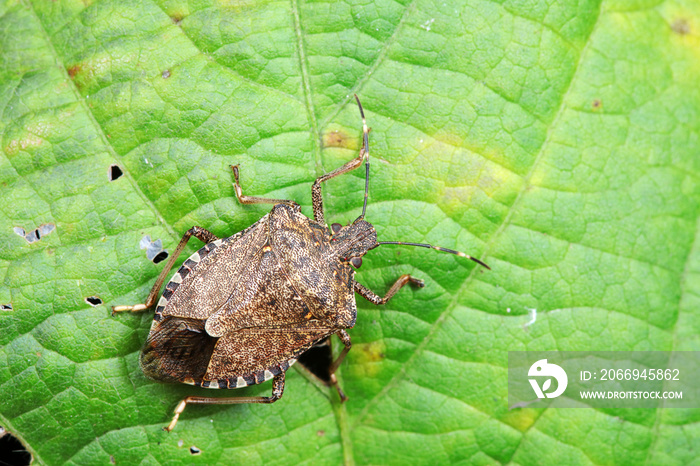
(236, 284)
(207, 283)
(324, 283)
(249, 353)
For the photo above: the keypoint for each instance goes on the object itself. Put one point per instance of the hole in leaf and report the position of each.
(6, 307)
(160, 257)
(35, 235)
(46, 228)
(154, 249)
(194, 450)
(12, 451)
(93, 300)
(115, 172)
(166, 74)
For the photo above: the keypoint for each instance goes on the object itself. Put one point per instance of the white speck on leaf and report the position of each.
(427, 25)
(533, 317)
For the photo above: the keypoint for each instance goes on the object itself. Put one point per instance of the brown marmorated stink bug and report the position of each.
(242, 309)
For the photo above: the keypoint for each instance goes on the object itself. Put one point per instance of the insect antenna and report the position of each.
(438, 248)
(365, 151)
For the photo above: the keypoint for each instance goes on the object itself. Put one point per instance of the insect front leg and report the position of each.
(317, 197)
(198, 232)
(372, 297)
(277, 391)
(253, 199)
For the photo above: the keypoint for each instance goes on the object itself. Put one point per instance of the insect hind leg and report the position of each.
(277, 391)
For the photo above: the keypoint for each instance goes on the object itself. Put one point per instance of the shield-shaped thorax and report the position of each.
(324, 283)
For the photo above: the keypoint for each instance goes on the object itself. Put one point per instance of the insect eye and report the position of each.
(336, 227)
(356, 262)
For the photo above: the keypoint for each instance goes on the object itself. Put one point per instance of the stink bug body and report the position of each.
(240, 310)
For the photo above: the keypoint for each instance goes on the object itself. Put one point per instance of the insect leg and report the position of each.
(317, 361)
(198, 232)
(372, 297)
(277, 390)
(317, 197)
(345, 338)
(256, 200)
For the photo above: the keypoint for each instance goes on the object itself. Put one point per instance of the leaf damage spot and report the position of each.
(35, 235)
(597, 104)
(154, 249)
(73, 71)
(428, 24)
(533, 318)
(12, 451)
(112, 460)
(681, 26)
(337, 138)
(160, 257)
(177, 17)
(29, 142)
(93, 300)
(115, 172)
(373, 351)
(321, 433)
(166, 74)
(194, 450)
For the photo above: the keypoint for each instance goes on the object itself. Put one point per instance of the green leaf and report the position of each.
(557, 141)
